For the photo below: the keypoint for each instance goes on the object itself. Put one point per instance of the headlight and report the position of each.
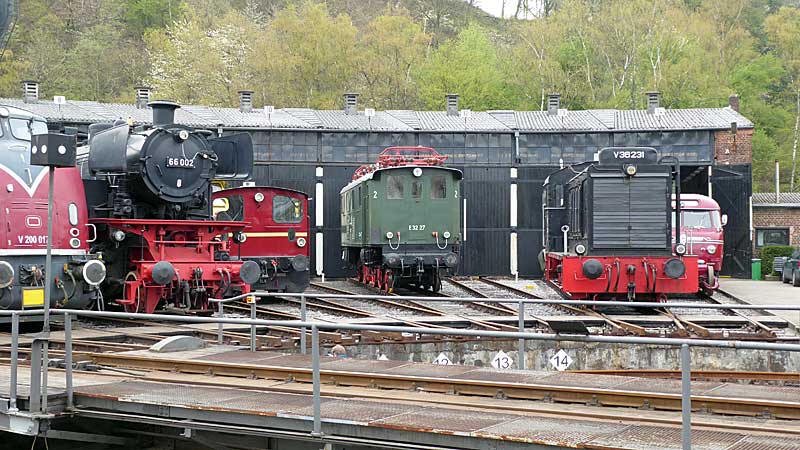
(580, 249)
(118, 235)
(183, 135)
(680, 249)
(259, 197)
(630, 170)
(6, 274)
(74, 232)
(417, 172)
(389, 235)
(711, 249)
(94, 272)
(75, 243)
(446, 235)
(239, 237)
(301, 242)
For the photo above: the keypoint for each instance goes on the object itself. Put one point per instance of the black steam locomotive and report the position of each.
(149, 195)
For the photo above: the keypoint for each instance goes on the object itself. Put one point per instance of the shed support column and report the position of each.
(514, 256)
(319, 209)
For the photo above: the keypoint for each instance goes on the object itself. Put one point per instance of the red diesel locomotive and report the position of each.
(23, 234)
(276, 236)
(608, 229)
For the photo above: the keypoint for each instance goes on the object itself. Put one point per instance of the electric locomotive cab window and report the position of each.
(394, 187)
(438, 186)
(286, 209)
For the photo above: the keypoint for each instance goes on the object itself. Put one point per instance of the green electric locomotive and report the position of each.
(401, 219)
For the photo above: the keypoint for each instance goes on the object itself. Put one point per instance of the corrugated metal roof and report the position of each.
(597, 120)
(787, 199)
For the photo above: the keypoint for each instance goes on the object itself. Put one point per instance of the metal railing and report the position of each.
(39, 372)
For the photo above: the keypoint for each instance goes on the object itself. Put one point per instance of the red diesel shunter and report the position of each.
(275, 237)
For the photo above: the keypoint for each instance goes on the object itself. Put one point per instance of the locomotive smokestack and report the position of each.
(245, 101)
(142, 96)
(553, 104)
(30, 91)
(163, 112)
(451, 103)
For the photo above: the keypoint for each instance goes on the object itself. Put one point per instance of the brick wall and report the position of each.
(728, 151)
(774, 217)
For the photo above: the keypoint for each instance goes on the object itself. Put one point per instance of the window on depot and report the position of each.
(286, 209)
(394, 187)
(438, 186)
(766, 237)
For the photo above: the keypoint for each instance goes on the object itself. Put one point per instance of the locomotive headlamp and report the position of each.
(94, 272)
(389, 235)
(74, 242)
(580, 249)
(259, 197)
(711, 249)
(417, 172)
(6, 274)
(674, 268)
(680, 249)
(183, 135)
(239, 237)
(630, 170)
(446, 235)
(301, 242)
(118, 235)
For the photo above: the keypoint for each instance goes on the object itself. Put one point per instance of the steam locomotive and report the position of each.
(149, 196)
(400, 219)
(608, 228)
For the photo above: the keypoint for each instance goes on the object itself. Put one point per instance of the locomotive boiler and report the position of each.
(608, 228)
(400, 219)
(150, 196)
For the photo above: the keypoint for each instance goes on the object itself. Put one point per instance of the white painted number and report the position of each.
(502, 361)
(374, 194)
(636, 154)
(561, 361)
(420, 227)
(32, 239)
(456, 194)
(442, 360)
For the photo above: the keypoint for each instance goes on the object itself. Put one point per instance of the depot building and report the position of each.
(505, 156)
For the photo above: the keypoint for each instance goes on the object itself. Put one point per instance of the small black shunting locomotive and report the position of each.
(608, 228)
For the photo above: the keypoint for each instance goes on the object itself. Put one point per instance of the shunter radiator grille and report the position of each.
(629, 213)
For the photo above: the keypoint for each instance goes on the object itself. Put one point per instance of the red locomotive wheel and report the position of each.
(377, 279)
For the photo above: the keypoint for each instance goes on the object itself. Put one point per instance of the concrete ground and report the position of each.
(765, 293)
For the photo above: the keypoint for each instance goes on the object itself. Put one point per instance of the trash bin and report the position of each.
(755, 268)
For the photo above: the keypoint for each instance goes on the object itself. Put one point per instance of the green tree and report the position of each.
(783, 31)
(392, 49)
(305, 57)
(468, 66)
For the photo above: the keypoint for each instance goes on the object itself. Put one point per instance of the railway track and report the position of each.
(510, 385)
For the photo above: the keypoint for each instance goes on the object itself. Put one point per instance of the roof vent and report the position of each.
(142, 96)
(245, 101)
(553, 104)
(653, 100)
(30, 91)
(733, 102)
(351, 104)
(451, 104)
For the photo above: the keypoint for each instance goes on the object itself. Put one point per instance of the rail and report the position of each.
(39, 371)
